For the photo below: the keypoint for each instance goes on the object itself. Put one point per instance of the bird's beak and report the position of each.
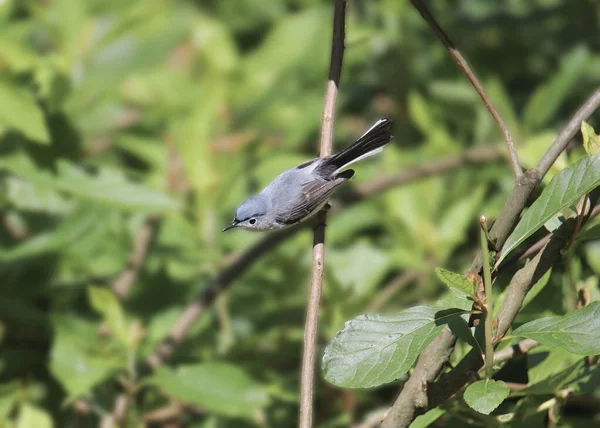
(233, 224)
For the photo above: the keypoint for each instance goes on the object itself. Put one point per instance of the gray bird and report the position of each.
(300, 192)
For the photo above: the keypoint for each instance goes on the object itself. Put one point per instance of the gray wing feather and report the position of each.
(314, 194)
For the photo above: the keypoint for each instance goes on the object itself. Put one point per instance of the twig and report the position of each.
(464, 66)
(487, 281)
(475, 156)
(417, 396)
(115, 418)
(318, 258)
(520, 348)
(141, 244)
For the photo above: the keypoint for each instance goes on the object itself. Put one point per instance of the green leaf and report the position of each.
(455, 281)
(375, 349)
(217, 387)
(78, 360)
(31, 416)
(485, 395)
(578, 331)
(591, 141)
(549, 97)
(73, 228)
(564, 190)
(425, 420)
(359, 268)
(108, 187)
(106, 304)
(19, 111)
(576, 375)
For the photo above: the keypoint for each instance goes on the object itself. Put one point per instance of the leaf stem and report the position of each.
(487, 281)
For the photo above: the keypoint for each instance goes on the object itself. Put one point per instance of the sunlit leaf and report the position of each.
(77, 360)
(105, 302)
(455, 281)
(374, 349)
(108, 186)
(217, 387)
(31, 416)
(591, 141)
(564, 190)
(577, 331)
(485, 395)
(19, 111)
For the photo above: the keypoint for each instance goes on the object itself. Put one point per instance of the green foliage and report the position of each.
(486, 395)
(216, 387)
(456, 282)
(562, 192)
(374, 349)
(591, 141)
(20, 112)
(578, 331)
(114, 111)
(30, 416)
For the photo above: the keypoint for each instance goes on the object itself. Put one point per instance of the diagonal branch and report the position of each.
(318, 259)
(418, 395)
(464, 66)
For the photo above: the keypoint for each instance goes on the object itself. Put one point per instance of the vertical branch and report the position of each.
(487, 281)
(464, 66)
(318, 263)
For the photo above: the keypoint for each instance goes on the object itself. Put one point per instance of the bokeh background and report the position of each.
(120, 116)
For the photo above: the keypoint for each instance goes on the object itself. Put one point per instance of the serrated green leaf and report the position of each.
(19, 111)
(217, 387)
(564, 190)
(578, 331)
(484, 396)
(455, 281)
(106, 304)
(375, 349)
(31, 416)
(591, 141)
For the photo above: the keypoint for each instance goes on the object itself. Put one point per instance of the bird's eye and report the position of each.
(252, 221)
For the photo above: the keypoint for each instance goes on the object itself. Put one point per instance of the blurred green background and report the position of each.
(112, 111)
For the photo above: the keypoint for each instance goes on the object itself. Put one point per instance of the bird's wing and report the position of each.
(313, 195)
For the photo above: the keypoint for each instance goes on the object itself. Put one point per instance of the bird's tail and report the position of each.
(369, 144)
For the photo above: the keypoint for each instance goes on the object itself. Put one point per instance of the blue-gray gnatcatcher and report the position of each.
(298, 193)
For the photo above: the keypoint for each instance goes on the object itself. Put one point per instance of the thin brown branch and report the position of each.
(141, 244)
(477, 155)
(117, 416)
(418, 395)
(318, 259)
(464, 66)
(521, 348)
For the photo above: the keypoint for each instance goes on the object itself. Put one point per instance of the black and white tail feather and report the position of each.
(369, 144)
